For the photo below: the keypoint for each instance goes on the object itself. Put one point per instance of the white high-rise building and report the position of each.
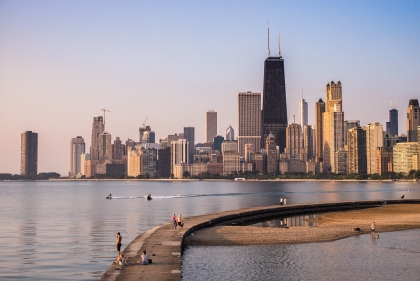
(303, 113)
(77, 148)
(230, 133)
(249, 117)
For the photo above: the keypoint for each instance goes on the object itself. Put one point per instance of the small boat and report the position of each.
(109, 196)
(149, 197)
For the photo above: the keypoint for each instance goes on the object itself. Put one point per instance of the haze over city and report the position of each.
(62, 62)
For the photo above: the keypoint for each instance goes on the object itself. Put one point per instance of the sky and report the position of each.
(61, 62)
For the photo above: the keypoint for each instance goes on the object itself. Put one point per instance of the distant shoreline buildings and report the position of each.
(265, 144)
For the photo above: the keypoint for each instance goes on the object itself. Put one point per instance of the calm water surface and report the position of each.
(65, 230)
(394, 256)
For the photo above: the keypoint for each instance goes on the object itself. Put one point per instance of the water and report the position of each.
(394, 256)
(65, 230)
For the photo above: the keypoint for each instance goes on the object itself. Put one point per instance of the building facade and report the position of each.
(403, 156)
(319, 110)
(77, 148)
(271, 155)
(230, 133)
(303, 113)
(249, 117)
(333, 125)
(356, 151)
(374, 139)
(412, 121)
(210, 125)
(274, 108)
(29, 153)
(97, 128)
(294, 142)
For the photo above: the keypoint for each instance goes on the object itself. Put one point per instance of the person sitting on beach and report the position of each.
(144, 258)
(121, 260)
(180, 223)
(373, 227)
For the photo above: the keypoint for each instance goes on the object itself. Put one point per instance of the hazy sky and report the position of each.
(61, 62)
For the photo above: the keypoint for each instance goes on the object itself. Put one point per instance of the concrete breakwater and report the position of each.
(165, 245)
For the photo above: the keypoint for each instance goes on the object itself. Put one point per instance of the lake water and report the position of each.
(65, 230)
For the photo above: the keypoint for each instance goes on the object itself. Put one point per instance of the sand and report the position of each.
(329, 226)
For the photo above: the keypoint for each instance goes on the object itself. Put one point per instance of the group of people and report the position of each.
(283, 201)
(122, 260)
(177, 221)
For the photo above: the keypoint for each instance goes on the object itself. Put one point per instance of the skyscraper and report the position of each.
(29, 153)
(348, 124)
(308, 142)
(333, 125)
(97, 128)
(356, 151)
(249, 118)
(189, 135)
(374, 139)
(179, 153)
(211, 125)
(294, 141)
(412, 120)
(77, 148)
(303, 113)
(319, 110)
(271, 151)
(230, 133)
(392, 125)
(105, 146)
(274, 111)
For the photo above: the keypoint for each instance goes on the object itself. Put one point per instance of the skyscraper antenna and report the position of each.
(294, 119)
(104, 110)
(302, 92)
(390, 104)
(395, 103)
(268, 38)
(278, 51)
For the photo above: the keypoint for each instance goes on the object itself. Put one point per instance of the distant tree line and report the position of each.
(247, 175)
(40, 176)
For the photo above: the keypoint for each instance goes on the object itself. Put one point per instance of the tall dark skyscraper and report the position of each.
(392, 125)
(274, 111)
(29, 153)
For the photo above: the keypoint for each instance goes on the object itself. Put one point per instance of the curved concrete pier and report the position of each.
(165, 245)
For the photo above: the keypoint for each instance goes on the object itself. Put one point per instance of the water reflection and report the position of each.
(304, 220)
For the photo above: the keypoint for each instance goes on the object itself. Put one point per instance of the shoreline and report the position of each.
(226, 180)
(329, 227)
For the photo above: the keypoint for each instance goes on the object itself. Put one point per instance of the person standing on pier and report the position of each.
(373, 227)
(118, 243)
(174, 222)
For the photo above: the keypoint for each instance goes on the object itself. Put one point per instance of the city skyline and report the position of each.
(61, 63)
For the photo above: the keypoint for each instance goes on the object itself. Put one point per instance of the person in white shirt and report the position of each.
(144, 258)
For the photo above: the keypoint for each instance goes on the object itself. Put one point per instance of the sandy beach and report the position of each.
(329, 226)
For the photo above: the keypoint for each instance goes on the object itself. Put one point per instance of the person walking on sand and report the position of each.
(118, 243)
(373, 227)
(174, 222)
(180, 223)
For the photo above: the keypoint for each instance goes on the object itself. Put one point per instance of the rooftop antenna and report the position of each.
(302, 92)
(268, 38)
(294, 119)
(278, 51)
(390, 104)
(395, 100)
(104, 110)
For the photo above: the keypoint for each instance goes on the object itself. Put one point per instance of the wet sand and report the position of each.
(329, 226)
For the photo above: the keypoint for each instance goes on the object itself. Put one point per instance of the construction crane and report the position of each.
(144, 123)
